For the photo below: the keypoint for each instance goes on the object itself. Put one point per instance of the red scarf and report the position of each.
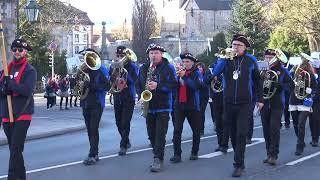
(23, 62)
(183, 89)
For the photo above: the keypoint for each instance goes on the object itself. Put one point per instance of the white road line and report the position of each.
(215, 154)
(111, 156)
(303, 159)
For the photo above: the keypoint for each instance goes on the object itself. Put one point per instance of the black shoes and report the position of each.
(157, 165)
(175, 159)
(122, 152)
(91, 160)
(266, 160)
(299, 150)
(272, 161)
(193, 156)
(237, 172)
(248, 141)
(314, 143)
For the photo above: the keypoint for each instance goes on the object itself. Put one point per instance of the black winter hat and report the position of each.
(21, 43)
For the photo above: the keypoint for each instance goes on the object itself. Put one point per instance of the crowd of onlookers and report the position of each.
(62, 87)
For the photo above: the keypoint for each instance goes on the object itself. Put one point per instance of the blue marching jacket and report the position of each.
(240, 90)
(165, 76)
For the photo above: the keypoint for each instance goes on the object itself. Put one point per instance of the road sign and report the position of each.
(53, 46)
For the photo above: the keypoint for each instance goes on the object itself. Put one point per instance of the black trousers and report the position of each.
(157, 127)
(50, 102)
(75, 100)
(236, 121)
(203, 106)
(211, 111)
(16, 135)
(218, 114)
(314, 122)
(286, 111)
(61, 99)
(299, 123)
(193, 117)
(92, 117)
(271, 119)
(251, 122)
(123, 113)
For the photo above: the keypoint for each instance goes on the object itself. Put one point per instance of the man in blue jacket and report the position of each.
(161, 84)
(187, 105)
(240, 75)
(92, 107)
(124, 100)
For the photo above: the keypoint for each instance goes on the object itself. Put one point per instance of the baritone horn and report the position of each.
(228, 53)
(91, 61)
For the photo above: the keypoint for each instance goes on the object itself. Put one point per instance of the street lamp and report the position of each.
(32, 12)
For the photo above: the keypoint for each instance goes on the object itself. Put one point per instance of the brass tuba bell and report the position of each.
(302, 78)
(228, 53)
(91, 61)
(119, 74)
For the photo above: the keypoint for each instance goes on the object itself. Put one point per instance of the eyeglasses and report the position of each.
(120, 56)
(240, 45)
(15, 49)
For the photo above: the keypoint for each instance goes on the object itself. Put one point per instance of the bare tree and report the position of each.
(144, 20)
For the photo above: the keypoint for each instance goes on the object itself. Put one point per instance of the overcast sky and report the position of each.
(112, 11)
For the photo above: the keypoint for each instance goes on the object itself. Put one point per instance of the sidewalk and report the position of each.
(51, 123)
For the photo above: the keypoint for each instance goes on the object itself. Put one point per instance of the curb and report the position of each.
(49, 134)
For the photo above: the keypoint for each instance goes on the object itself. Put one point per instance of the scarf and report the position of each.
(23, 62)
(183, 89)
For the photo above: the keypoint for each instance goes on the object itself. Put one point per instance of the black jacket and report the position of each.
(165, 76)
(240, 90)
(24, 90)
(194, 83)
(285, 83)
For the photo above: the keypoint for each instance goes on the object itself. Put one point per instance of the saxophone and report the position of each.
(146, 95)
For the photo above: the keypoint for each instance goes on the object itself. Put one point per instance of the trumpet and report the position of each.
(228, 53)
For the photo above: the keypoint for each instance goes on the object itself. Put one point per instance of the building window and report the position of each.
(76, 38)
(76, 49)
(3, 6)
(85, 38)
(183, 30)
(192, 12)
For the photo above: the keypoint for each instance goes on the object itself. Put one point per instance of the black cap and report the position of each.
(120, 49)
(21, 43)
(188, 56)
(83, 52)
(270, 52)
(154, 46)
(241, 38)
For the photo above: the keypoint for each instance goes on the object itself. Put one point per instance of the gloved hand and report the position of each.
(5, 86)
(308, 90)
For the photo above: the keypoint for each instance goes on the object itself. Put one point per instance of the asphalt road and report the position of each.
(60, 157)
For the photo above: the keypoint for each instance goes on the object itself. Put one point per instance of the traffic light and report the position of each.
(50, 56)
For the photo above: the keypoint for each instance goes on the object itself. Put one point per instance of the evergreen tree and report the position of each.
(248, 19)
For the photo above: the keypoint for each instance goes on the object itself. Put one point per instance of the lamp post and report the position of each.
(32, 10)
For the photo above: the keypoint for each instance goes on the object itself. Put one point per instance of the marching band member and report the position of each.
(20, 84)
(240, 75)
(161, 85)
(92, 106)
(300, 105)
(314, 119)
(287, 93)
(187, 105)
(217, 107)
(204, 97)
(274, 103)
(124, 100)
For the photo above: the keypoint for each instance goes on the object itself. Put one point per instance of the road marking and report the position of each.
(215, 154)
(111, 156)
(303, 159)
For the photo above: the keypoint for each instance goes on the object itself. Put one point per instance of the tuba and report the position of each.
(228, 53)
(302, 78)
(91, 61)
(271, 77)
(146, 95)
(119, 74)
